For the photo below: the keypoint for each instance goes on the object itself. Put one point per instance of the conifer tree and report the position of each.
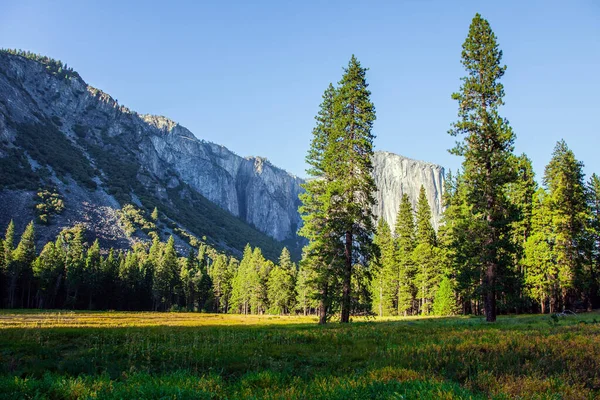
(541, 274)
(404, 233)
(487, 150)
(241, 288)
(444, 303)
(338, 205)
(384, 285)
(281, 285)
(22, 275)
(564, 179)
(425, 254)
(93, 277)
(221, 276)
(74, 263)
(322, 257)
(9, 264)
(47, 270)
(592, 272)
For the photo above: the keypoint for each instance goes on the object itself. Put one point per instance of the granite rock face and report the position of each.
(168, 156)
(395, 175)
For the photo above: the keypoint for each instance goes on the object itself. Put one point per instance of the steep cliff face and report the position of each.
(141, 159)
(121, 157)
(395, 175)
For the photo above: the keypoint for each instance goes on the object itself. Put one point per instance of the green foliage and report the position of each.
(563, 177)
(385, 283)
(50, 203)
(445, 302)
(487, 151)
(49, 147)
(133, 219)
(338, 203)
(16, 171)
(404, 233)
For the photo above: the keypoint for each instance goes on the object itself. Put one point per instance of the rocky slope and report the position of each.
(55, 130)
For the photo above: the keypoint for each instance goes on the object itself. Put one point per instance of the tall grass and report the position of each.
(184, 355)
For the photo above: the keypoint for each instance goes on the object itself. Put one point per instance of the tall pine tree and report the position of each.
(487, 150)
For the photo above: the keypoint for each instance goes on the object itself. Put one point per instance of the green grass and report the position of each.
(184, 355)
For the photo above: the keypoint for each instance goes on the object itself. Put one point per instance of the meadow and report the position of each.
(121, 355)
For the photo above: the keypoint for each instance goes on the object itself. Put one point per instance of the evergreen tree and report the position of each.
(9, 265)
(154, 214)
(541, 274)
(384, 286)
(487, 150)
(74, 263)
(322, 257)
(349, 162)
(221, 275)
(444, 303)
(592, 272)
(24, 256)
(166, 276)
(93, 277)
(424, 255)
(281, 285)
(241, 288)
(307, 294)
(564, 179)
(47, 270)
(110, 281)
(339, 204)
(405, 244)
(521, 195)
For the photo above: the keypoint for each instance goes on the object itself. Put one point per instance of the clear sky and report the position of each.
(250, 74)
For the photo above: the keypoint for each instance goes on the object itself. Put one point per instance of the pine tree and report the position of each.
(221, 276)
(323, 255)
(384, 285)
(281, 285)
(241, 284)
(425, 254)
(592, 273)
(404, 233)
(487, 150)
(10, 267)
(93, 277)
(47, 270)
(24, 256)
(166, 276)
(349, 162)
(564, 179)
(307, 293)
(444, 303)
(338, 205)
(541, 274)
(74, 263)
(520, 195)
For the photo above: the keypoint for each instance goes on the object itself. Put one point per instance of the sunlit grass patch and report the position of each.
(187, 355)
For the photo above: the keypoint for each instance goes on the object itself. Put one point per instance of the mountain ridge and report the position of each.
(153, 161)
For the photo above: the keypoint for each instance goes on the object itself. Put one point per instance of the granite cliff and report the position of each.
(56, 130)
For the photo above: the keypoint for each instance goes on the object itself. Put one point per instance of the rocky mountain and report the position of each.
(58, 133)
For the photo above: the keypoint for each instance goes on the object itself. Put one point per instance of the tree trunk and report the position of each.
(346, 284)
(322, 311)
(490, 295)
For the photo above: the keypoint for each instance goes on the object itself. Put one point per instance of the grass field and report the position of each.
(115, 355)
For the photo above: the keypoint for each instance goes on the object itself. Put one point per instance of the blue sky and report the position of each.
(250, 75)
